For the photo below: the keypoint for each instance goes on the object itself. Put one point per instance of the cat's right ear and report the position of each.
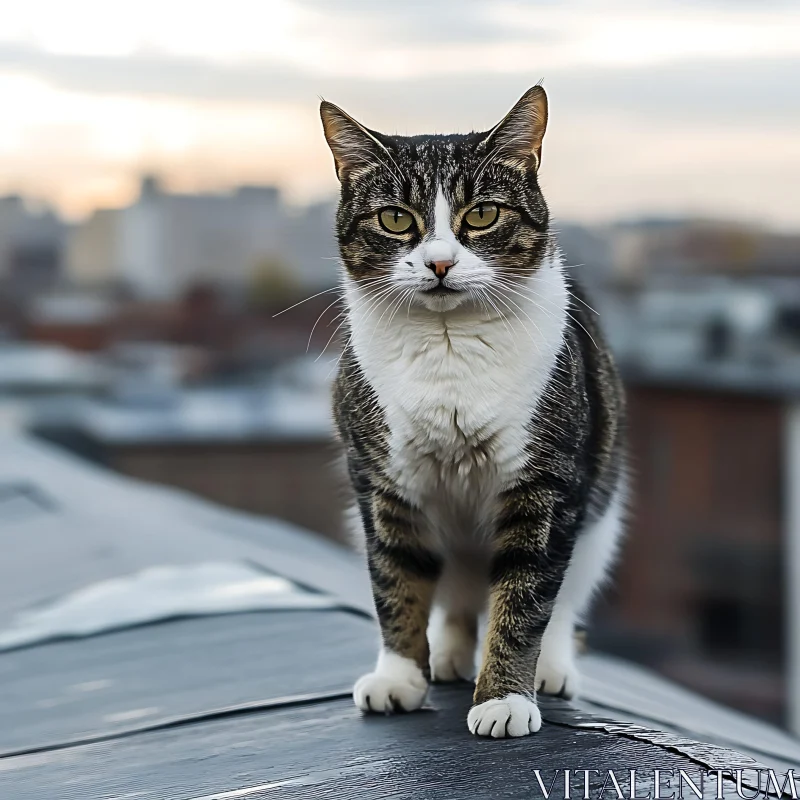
(517, 138)
(351, 143)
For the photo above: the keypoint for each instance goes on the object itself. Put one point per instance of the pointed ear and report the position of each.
(351, 143)
(517, 138)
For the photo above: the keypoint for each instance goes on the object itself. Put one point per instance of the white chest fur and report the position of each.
(459, 390)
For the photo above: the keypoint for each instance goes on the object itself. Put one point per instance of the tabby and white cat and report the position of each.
(481, 414)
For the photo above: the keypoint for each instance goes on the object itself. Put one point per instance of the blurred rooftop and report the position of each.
(29, 368)
(780, 380)
(222, 414)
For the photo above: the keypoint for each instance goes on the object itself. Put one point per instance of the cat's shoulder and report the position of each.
(355, 402)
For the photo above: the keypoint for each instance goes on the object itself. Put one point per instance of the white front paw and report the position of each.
(513, 715)
(396, 685)
(385, 694)
(557, 677)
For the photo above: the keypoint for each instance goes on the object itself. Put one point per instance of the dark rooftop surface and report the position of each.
(256, 705)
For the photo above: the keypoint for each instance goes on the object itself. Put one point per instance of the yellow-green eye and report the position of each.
(395, 220)
(482, 215)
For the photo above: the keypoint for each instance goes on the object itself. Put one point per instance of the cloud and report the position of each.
(734, 91)
(425, 22)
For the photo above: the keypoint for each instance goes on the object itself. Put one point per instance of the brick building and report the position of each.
(703, 592)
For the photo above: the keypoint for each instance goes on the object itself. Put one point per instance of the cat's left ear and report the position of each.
(517, 138)
(351, 143)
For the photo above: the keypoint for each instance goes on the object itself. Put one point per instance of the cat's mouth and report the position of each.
(441, 290)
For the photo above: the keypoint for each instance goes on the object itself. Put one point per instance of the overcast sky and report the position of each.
(668, 107)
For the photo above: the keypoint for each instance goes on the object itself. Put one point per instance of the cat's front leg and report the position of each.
(534, 541)
(403, 574)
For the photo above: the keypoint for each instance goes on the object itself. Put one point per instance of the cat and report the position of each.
(481, 416)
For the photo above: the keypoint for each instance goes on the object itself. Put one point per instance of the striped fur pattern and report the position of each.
(481, 415)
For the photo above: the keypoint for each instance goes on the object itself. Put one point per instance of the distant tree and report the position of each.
(273, 284)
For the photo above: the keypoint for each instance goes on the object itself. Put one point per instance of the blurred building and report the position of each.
(650, 249)
(79, 321)
(165, 242)
(31, 244)
(94, 249)
(705, 321)
(703, 592)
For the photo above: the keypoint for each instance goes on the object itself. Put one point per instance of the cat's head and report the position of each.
(441, 221)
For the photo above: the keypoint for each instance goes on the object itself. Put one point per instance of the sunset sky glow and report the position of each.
(668, 107)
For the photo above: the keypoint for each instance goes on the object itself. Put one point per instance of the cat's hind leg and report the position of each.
(594, 552)
(453, 630)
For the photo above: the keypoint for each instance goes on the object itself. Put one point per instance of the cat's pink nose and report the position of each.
(440, 267)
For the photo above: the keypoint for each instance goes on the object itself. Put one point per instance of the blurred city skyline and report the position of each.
(672, 109)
